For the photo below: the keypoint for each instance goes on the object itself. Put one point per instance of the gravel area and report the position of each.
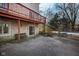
(42, 46)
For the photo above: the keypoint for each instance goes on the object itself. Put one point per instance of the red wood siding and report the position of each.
(19, 9)
(22, 11)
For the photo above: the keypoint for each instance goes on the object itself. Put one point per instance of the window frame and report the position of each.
(4, 31)
(3, 28)
(4, 5)
(31, 30)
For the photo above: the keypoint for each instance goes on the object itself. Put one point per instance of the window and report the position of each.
(31, 14)
(4, 28)
(1, 4)
(31, 30)
(4, 5)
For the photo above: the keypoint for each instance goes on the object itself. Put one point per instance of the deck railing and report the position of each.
(22, 11)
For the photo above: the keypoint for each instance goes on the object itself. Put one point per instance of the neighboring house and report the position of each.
(17, 18)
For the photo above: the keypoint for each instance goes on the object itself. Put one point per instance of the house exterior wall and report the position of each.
(41, 27)
(24, 25)
(33, 6)
(24, 28)
(25, 12)
(2, 21)
(13, 28)
(17, 8)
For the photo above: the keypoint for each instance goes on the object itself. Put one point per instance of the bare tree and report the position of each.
(70, 11)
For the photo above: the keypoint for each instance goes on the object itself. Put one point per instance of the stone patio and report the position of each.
(42, 46)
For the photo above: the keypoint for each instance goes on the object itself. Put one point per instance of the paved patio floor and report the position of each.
(42, 46)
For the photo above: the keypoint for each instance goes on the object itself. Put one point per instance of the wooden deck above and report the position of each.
(18, 11)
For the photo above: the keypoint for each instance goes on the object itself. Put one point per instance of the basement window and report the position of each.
(31, 30)
(4, 28)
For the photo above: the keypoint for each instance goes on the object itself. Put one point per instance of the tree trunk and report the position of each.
(73, 27)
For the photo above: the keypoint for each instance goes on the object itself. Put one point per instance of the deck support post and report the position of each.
(18, 29)
(34, 30)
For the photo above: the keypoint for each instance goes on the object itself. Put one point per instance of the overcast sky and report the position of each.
(45, 6)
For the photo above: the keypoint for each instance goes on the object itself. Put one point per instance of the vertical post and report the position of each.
(18, 29)
(44, 25)
(34, 30)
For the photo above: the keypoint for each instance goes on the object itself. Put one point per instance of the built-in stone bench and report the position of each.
(22, 36)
